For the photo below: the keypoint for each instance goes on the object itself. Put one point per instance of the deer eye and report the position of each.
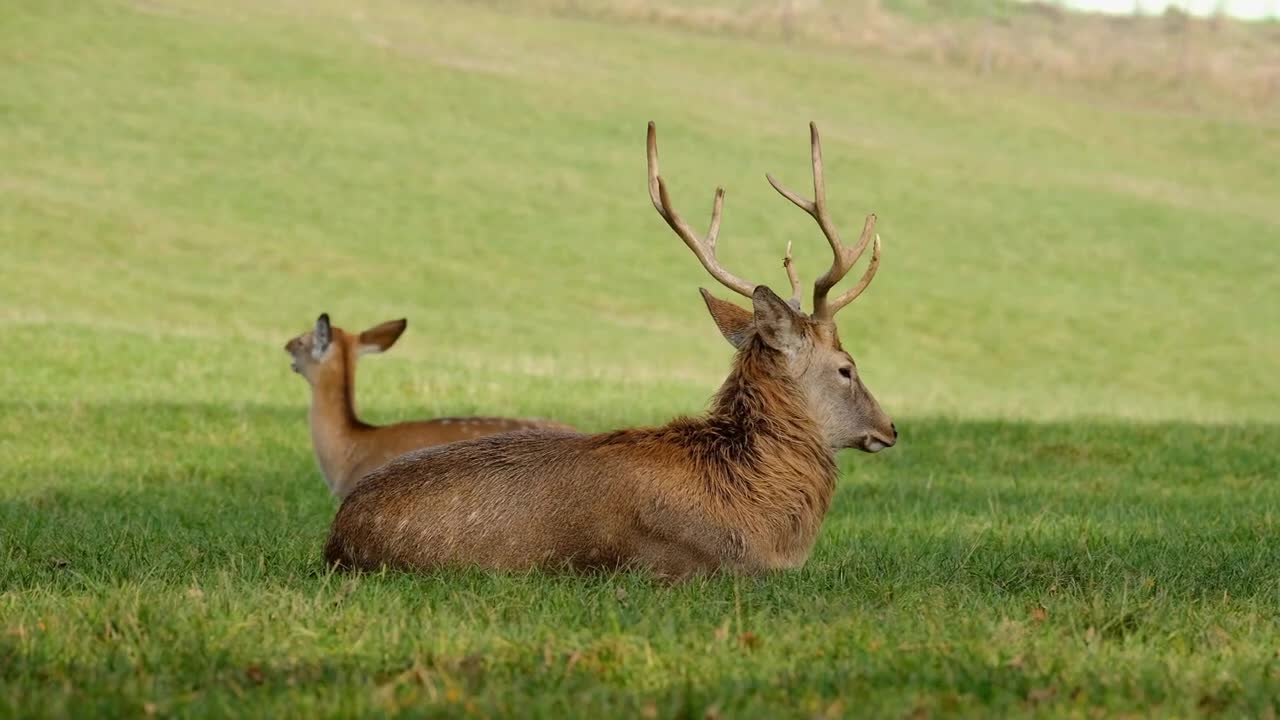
(846, 373)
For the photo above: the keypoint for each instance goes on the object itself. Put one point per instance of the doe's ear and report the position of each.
(323, 335)
(381, 337)
(777, 323)
(735, 323)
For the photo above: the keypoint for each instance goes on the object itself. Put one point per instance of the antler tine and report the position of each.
(844, 258)
(790, 266)
(863, 282)
(703, 248)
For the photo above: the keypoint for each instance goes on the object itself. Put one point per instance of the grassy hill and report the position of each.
(1076, 326)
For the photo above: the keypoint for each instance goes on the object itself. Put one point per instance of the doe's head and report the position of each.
(324, 350)
(845, 410)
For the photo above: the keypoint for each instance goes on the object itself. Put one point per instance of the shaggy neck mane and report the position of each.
(758, 405)
(759, 441)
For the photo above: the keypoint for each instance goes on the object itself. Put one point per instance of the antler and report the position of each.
(845, 257)
(790, 267)
(704, 248)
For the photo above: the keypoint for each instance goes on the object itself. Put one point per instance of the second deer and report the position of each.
(743, 489)
(347, 448)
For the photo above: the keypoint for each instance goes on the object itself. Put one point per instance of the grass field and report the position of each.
(1076, 327)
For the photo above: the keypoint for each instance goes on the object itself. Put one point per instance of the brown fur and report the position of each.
(743, 489)
(347, 448)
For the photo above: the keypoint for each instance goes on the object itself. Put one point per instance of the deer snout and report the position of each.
(877, 440)
(291, 347)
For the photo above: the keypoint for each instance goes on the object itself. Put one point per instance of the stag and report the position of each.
(742, 489)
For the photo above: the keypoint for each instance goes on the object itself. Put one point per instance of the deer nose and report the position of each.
(894, 429)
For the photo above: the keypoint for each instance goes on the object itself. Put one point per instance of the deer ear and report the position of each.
(323, 335)
(381, 337)
(775, 321)
(735, 323)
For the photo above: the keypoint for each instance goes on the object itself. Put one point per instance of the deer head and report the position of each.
(325, 349)
(834, 393)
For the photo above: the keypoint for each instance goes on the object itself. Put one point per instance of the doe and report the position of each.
(347, 448)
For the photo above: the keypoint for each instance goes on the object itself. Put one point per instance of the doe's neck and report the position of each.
(333, 419)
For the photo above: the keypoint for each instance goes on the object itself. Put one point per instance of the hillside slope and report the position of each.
(177, 175)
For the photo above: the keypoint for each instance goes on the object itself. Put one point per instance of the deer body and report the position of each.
(742, 489)
(347, 448)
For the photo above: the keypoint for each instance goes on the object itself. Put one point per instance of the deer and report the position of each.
(347, 448)
(742, 489)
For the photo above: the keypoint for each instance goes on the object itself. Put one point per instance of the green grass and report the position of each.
(1076, 328)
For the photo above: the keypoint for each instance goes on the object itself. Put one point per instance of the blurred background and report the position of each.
(1079, 210)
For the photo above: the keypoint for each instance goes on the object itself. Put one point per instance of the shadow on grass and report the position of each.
(168, 557)
(175, 492)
